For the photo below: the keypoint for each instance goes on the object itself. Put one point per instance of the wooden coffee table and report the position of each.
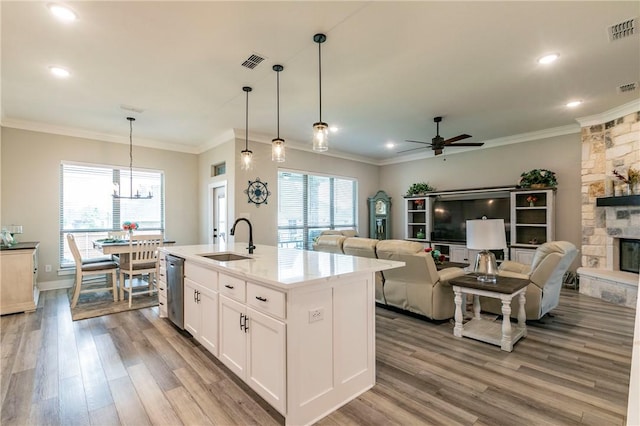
(505, 289)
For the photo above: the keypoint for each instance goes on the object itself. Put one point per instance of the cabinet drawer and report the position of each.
(232, 287)
(267, 300)
(162, 275)
(162, 305)
(201, 275)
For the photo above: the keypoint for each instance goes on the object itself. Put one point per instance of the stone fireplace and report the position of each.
(612, 145)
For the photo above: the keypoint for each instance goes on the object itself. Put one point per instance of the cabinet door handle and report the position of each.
(198, 299)
(160, 303)
(246, 327)
(241, 324)
(228, 286)
(194, 296)
(262, 299)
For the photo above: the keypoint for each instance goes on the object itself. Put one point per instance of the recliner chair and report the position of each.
(550, 262)
(418, 286)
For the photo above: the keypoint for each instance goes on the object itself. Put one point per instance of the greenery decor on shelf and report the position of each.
(633, 176)
(538, 178)
(419, 188)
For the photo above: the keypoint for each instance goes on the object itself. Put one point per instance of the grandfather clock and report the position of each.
(380, 216)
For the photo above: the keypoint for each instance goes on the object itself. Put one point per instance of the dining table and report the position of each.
(116, 247)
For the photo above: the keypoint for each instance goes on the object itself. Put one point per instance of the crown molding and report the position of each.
(292, 144)
(87, 134)
(612, 114)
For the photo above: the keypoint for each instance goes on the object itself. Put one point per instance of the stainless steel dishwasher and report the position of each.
(175, 289)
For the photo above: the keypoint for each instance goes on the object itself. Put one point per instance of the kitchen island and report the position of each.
(297, 326)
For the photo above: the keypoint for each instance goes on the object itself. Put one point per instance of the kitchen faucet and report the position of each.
(233, 231)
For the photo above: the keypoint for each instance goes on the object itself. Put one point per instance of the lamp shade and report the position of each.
(486, 234)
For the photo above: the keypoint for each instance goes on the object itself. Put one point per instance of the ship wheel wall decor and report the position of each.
(257, 192)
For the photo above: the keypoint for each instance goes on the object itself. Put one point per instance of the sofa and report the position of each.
(545, 274)
(417, 287)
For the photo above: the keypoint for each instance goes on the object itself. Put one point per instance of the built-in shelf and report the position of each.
(624, 200)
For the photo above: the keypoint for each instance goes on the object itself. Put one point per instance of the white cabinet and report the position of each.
(532, 220)
(253, 346)
(418, 218)
(161, 285)
(522, 255)
(201, 305)
(18, 275)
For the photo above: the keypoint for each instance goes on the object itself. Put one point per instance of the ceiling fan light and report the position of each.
(320, 136)
(59, 72)
(277, 150)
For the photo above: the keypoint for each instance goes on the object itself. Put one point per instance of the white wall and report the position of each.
(495, 167)
(265, 217)
(31, 185)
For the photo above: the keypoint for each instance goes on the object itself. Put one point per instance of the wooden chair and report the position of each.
(85, 269)
(141, 259)
(117, 235)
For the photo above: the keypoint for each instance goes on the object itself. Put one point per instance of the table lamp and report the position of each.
(484, 235)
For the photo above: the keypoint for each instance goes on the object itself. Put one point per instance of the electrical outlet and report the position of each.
(316, 314)
(47, 268)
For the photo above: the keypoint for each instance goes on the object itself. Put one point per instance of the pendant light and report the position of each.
(320, 128)
(246, 154)
(116, 189)
(277, 144)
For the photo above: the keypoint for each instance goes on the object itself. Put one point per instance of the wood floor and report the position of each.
(135, 368)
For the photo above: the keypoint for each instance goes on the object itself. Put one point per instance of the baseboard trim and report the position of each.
(55, 285)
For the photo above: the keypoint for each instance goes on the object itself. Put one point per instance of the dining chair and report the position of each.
(87, 269)
(140, 259)
(117, 235)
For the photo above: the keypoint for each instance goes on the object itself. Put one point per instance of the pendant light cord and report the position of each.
(246, 125)
(130, 155)
(320, 77)
(278, 102)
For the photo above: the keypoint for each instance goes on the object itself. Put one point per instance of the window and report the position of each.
(89, 211)
(309, 204)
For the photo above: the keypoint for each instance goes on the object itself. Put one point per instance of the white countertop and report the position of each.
(281, 267)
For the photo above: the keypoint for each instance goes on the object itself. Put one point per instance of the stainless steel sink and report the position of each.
(224, 257)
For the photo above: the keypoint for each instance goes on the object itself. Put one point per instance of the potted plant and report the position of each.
(538, 178)
(419, 188)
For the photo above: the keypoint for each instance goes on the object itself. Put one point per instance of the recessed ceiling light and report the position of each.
(59, 72)
(547, 59)
(390, 145)
(333, 129)
(62, 12)
(573, 104)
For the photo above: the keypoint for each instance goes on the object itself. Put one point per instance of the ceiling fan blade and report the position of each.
(457, 138)
(467, 144)
(407, 150)
(426, 143)
(437, 151)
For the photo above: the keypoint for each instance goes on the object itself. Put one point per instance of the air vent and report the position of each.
(629, 87)
(252, 61)
(623, 29)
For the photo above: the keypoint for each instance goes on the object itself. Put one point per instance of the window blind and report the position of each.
(89, 210)
(309, 204)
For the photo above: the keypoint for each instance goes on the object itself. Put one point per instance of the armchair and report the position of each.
(550, 261)
(418, 286)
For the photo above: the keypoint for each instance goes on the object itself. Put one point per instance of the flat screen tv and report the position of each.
(450, 214)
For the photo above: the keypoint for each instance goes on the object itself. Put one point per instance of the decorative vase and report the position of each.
(531, 204)
(537, 185)
(420, 234)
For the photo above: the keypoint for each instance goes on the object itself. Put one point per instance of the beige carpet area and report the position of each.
(101, 303)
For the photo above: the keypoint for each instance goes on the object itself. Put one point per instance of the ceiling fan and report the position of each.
(438, 142)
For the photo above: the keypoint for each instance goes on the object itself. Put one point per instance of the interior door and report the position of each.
(218, 233)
